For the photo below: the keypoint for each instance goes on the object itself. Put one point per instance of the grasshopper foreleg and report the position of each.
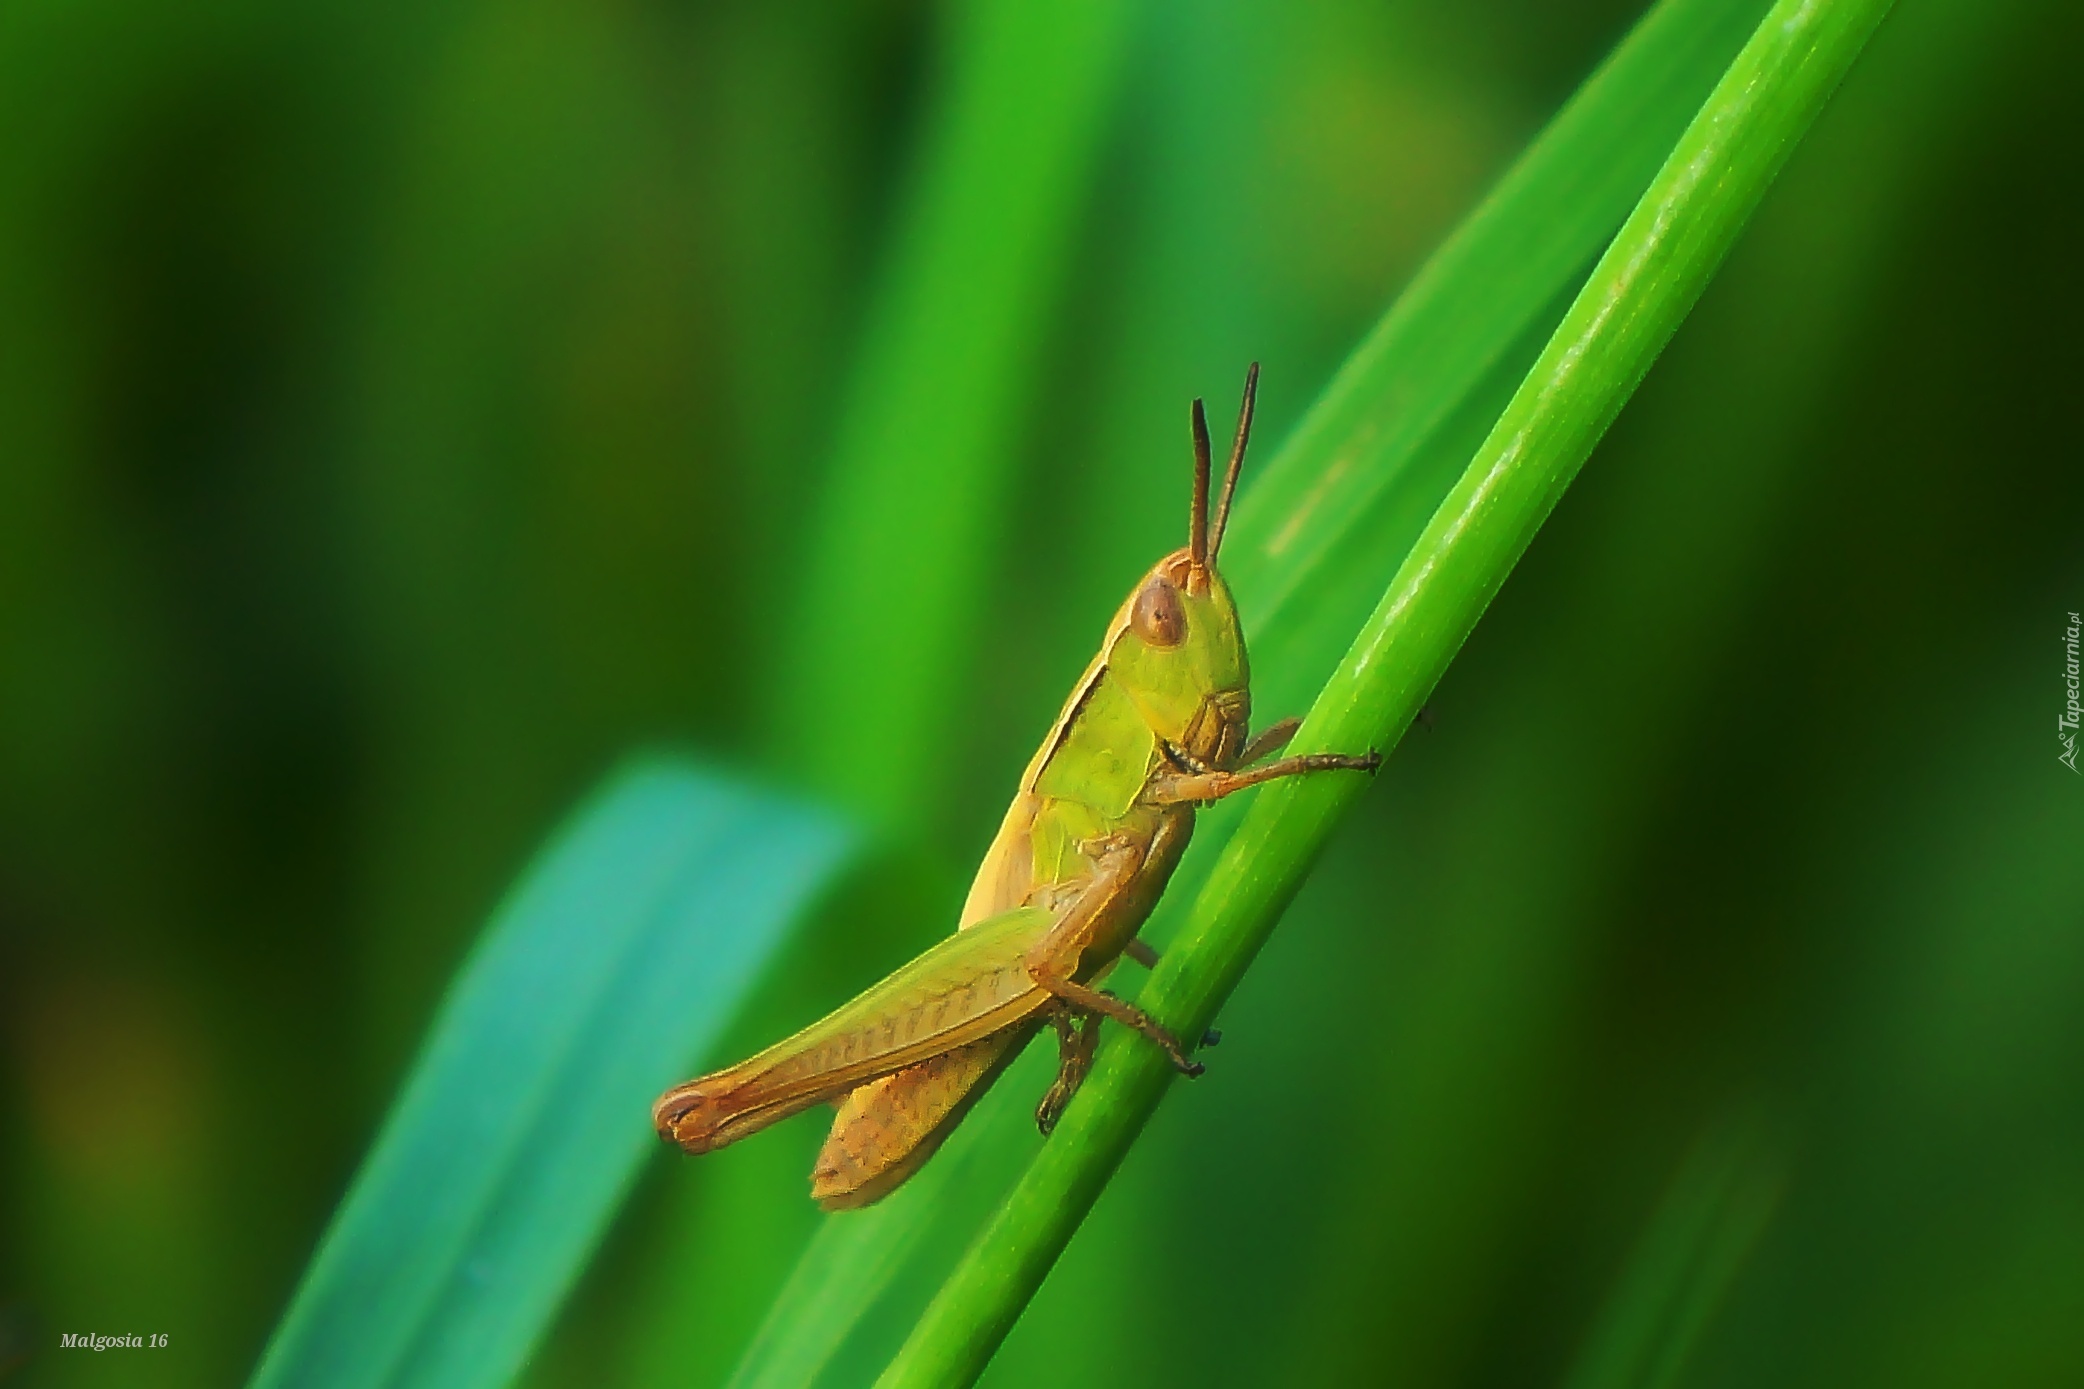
(1175, 788)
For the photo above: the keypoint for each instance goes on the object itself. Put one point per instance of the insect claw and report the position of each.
(1192, 1070)
(1211, 1037)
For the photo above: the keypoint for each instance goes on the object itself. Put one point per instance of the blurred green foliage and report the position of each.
(608, 974)
(1645, 283)
(405, 409)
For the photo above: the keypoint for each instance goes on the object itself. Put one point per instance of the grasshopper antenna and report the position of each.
(1197, 522)
(1237, 458)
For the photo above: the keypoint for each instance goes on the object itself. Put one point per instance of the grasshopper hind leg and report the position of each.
(1051, 961)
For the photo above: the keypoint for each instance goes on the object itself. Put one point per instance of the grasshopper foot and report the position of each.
(1074, 1060)
(1211, 1037)
(1058, 1095)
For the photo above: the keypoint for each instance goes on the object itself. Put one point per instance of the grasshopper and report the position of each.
(1156, 727)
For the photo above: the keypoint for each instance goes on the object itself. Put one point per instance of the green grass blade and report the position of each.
(1642, 288)
(928, 432)
(1354, 470)
(844, 1270)
(925, 454)
(1488, 298)
(819, 1329)
(606, 975)
(853, 1259)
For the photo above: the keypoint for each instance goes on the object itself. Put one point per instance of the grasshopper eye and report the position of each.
(1159, 616)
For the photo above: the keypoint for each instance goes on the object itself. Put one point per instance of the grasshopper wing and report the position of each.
(967, 987)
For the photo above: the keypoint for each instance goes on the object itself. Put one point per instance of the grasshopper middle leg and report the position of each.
(1075, 1043)
(1271, 740)
(1116, 860)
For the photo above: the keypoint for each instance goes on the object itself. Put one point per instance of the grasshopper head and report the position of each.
(1179, 650)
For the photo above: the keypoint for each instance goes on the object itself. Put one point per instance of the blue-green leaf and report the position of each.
(606, 976)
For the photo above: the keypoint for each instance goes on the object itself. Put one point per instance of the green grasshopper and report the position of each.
(1156, 727)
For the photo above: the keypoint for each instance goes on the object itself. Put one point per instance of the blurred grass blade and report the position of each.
(844, 1270)
(1487, 299)
(1504, 272)
(605, 976)
(1635, 299)
(826, 1326)
(924, 456)
(1678, 1275)
(853, 1259)
(928, 432)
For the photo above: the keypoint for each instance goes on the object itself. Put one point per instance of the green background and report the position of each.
(404, 411)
